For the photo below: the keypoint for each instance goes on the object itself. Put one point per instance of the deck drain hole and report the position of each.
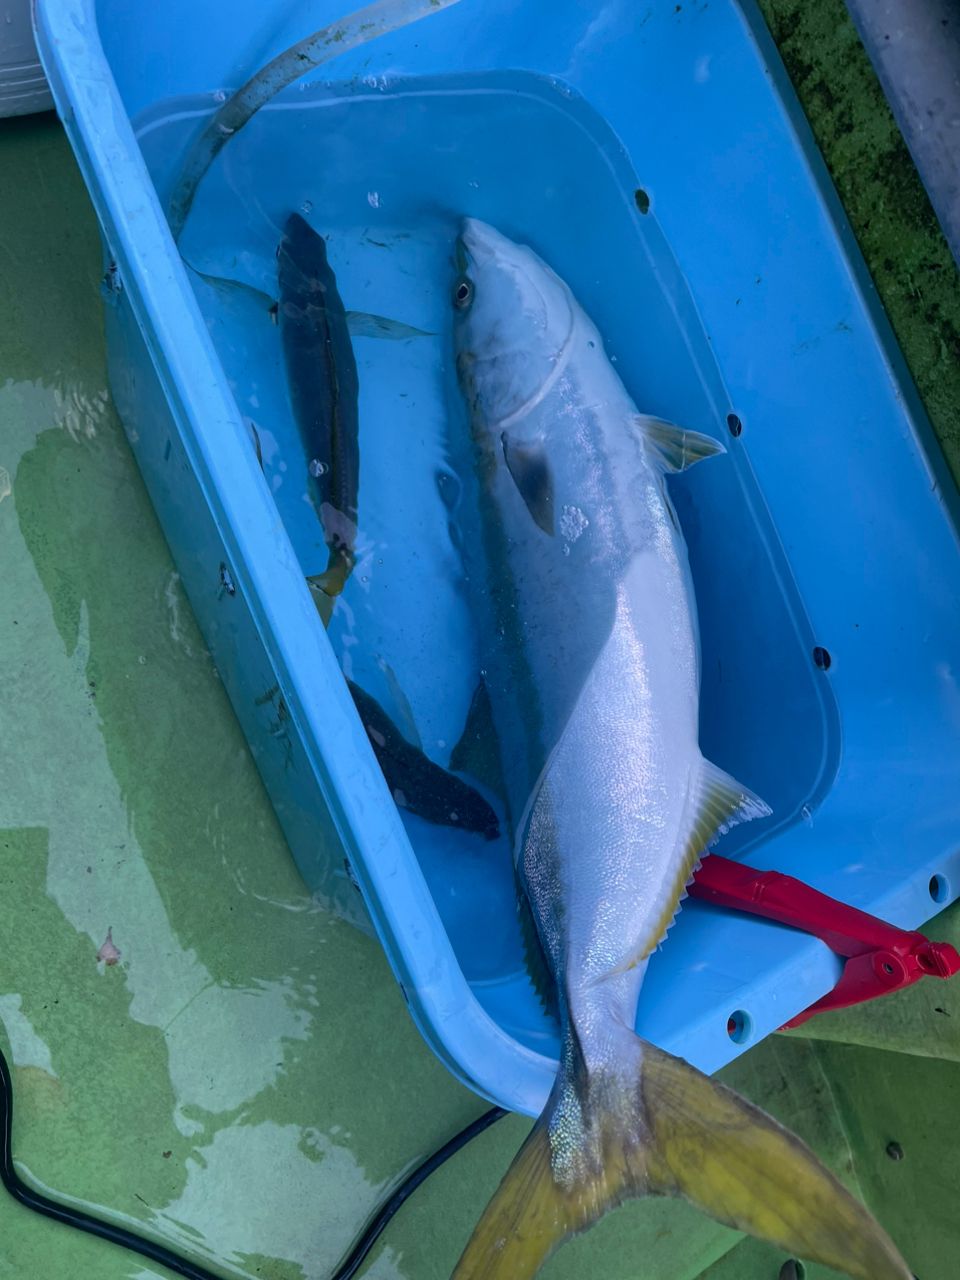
(939, 888)
(734, 423)
(642, 199)
(822, 658)
(740, 1026)
(792, 1269)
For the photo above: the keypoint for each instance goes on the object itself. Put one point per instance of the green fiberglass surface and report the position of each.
(245, 1081)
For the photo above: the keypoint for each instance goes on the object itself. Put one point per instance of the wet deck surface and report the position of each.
(245, 1079)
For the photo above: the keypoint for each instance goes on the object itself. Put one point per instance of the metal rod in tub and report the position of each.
(323, 46)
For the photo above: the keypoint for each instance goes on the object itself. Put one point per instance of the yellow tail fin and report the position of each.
(326, 586)
(321, 598)
(675, 1132)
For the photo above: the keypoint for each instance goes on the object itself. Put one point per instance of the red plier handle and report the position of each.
(880, 958)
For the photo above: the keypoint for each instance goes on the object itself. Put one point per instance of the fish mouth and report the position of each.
(479, 243)
(461, 257)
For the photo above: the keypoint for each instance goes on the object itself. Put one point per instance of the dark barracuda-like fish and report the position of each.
(580, 563)
(324, 389)
(415, 781)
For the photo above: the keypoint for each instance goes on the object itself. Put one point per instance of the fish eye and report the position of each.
(463, 293)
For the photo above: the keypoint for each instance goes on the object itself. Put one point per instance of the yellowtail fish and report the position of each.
(590, 645)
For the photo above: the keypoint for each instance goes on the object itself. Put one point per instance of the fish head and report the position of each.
(513, 322)
(303, 268)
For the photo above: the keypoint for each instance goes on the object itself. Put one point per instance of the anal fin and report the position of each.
(717, 802)
(535, 957)
(722, 803)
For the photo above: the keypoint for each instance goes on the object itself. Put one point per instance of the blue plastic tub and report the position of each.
(655, 156)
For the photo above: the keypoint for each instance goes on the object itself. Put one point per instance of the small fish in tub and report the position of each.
(316, 330)
(590, 646)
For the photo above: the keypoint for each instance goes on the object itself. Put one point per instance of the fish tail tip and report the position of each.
(702, 1142)
(743, 1168)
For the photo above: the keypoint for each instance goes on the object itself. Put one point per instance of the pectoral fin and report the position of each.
(530, 468)
(225, 283)
(407, 721)
(675, 448)
(361, 324)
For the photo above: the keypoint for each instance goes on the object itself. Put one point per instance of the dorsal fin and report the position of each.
(477, 753)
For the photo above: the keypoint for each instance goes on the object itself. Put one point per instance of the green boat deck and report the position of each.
(245, 1081)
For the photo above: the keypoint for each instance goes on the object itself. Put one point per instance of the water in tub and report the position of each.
(385, 171)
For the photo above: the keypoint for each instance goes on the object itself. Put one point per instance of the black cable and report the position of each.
(94, 1226)
(76, 1217)
(378, 1222)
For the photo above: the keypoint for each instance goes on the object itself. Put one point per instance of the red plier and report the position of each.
(880, 958)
